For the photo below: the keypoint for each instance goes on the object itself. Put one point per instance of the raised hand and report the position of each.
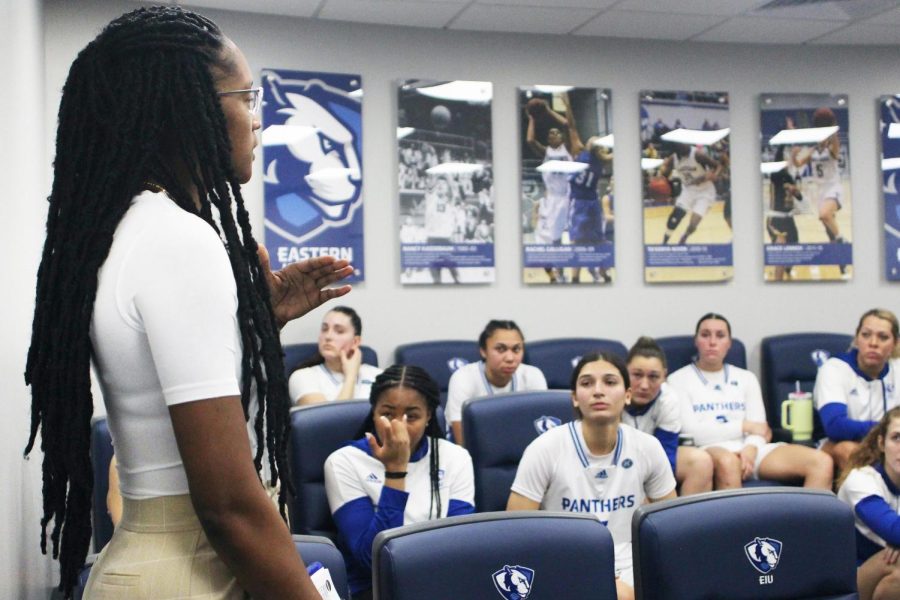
(351, 360)
(393, 452)
(302, 286)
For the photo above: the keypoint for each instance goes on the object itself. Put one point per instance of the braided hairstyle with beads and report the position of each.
(139, 111)
(414, 378)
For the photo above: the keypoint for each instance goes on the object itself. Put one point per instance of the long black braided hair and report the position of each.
(415, 378)
(139, 111)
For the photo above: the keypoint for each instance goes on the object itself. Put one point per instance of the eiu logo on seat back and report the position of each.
(763, 554)
(545, 423)
(819, 357)
(455, 363)
(514, 582)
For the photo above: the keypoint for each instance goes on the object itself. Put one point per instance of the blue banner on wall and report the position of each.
(890, 171)
(312, 158)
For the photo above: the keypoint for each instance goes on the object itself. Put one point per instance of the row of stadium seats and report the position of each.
(786, 360)
(776, 543)
(319, 430)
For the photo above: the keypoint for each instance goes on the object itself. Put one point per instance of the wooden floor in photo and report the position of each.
(713, 229)
(811, 231)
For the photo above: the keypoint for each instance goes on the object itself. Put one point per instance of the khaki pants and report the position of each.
(159, 552)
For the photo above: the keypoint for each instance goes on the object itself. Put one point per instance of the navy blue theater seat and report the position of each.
(680, 351)
(101, 455)
(315, 548)
(750, 544)
(791, 358)
(440, 358)
(512, 555)
(316, 432)
(498, 428)
(557, 357)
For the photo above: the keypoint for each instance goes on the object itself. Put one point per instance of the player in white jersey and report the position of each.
(336, 371)
(551, 212)
(855, 389)
(441, 216)
(872, 489)
(697, 173)
(502, 346)
(444, 223)
(596, 464)
(722, 409)
(823, 160)
(656, 409)
(399, 472)
(553, 207)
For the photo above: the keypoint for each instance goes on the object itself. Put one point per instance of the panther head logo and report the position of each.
(514, 582)
(763, 554)
(312, 142)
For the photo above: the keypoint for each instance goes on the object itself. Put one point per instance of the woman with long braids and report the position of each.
(151, 272)
(399, 471)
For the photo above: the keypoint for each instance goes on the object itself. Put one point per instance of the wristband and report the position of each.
(394, 474)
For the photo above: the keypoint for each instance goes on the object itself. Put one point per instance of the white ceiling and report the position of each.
(859, 22)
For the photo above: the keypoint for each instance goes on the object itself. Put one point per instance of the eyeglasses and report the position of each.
(254, 98)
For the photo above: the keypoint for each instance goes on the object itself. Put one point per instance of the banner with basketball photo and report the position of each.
(312, 163)
(566, 145)
(445, 182)
(686, 173)
(890, 172)
(805, 170)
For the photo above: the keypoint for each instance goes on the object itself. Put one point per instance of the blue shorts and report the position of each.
(585, 221)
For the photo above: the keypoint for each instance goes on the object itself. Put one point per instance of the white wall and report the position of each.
(25, 573)
(393, 314)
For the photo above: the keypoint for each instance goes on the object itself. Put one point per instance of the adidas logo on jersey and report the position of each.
(853, 392)
(602, 474)
(373, 478)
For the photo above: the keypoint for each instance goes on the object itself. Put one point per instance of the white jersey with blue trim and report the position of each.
(557, 184)
(664, 413)
(557, 471)
(715, 404)
(863, 483)
(867, 399)
(351, 474)
(320, 380)
(470, 381)
(825, 168)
